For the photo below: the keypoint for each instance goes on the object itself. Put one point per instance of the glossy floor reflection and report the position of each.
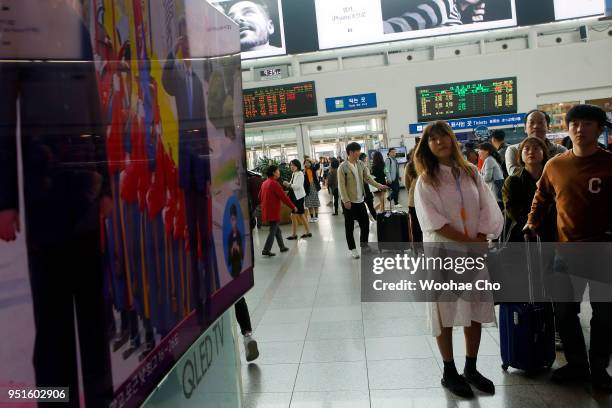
(320, 347)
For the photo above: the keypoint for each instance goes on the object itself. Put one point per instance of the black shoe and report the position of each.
(130, 350)
(571, 373)
(120, 340)
(264, 253)
(601, 380)
(306, 235)
(458, 386)
(335, 214)
(292, 238)
(479, 381)
(284, 249)
(146, 352)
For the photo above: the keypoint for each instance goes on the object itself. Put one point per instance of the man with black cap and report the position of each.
(580, 182)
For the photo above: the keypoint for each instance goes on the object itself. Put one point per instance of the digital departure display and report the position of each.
(466, 99)
(280, 102)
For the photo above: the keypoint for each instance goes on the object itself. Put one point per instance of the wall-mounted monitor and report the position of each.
(467, 99)
(343, 23)
(568, 9)
(280, 102)
(262, 30)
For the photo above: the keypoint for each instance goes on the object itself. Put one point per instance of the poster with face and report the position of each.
(347, 23)
(260, 22)
(133, 198)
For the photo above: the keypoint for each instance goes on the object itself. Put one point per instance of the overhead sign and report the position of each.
(472, 123)
(280, 102)
(272, 73)
(352, 102)
(467, 99)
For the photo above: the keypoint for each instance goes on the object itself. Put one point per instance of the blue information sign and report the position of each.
(472, 123)
(352, 102)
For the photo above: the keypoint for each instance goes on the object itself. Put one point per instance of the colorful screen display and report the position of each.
(466, 99)
(133, 194)
(280, 102)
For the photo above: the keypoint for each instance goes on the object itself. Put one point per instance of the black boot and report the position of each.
(478, 380)
(454, 382)
(571, 373)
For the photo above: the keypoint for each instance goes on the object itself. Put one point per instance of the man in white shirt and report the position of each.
(351, 177)
(537, 123)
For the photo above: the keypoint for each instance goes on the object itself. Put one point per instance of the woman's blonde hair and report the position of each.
(427, 164)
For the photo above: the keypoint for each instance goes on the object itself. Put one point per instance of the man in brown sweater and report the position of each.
(580, 181)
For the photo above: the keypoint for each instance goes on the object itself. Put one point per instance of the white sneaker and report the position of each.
(250, 348)
(311, 220)
(355, 254)
(398, 206)
(316, 219)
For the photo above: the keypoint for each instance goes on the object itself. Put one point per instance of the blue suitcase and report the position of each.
(527, 336)
(527, 331)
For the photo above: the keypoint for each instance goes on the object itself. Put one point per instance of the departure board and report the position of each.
(466, 99)
(280, 102)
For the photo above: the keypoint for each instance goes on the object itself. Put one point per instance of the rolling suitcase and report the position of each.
(527, 330)
(392, 226)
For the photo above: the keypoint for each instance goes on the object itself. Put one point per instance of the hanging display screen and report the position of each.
(568, 9)
(280, 102)
(466, 99)
(344, 23)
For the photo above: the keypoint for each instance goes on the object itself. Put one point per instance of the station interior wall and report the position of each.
(552, 68)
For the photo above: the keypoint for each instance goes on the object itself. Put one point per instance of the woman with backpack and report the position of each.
(297, 194)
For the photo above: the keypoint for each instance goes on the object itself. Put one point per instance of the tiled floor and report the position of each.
(321, 347)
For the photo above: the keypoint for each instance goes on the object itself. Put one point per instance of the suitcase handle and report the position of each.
(529, 266)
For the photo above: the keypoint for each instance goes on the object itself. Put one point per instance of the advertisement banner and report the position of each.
(262, 31)
(132, 196)
(356, 22)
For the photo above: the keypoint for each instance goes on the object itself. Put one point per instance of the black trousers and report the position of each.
(394, 195)
(243, 317)
(356, 212)
(67, 279)
(336, 200)
(415, 227)
(570, 331)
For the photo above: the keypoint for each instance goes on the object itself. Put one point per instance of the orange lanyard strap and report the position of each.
(462, 212)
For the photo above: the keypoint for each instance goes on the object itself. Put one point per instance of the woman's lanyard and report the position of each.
(457, 175)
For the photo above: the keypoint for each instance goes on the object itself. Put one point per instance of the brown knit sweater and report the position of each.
(582, 189)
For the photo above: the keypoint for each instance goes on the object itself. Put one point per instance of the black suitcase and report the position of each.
(393, 226)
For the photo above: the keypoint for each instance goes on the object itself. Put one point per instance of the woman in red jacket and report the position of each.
(270, 197)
